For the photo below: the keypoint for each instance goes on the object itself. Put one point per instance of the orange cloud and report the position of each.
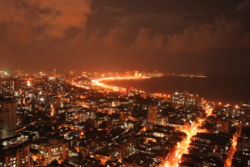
(53, 17)
(62, 14)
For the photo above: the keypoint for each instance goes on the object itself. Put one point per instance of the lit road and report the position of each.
(173, 159)
(233, 148)
(99, 82)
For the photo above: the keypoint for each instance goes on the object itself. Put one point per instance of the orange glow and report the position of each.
(131, 118)
(98, 82)
(233, 149)
(81, 133)
(173, 159)
(60, 161)
(103, 159)
(149, 140)
(53, 111)
(144, 129)
(35, 157)
(161, 95)
(77, 149)
(29, 83)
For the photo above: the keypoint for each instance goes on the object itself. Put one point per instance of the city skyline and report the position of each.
(78, 119)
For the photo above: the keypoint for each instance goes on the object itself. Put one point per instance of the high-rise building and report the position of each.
(8, 118)
(18, 156)
(185, 98)
(153, 114)
(49, 150)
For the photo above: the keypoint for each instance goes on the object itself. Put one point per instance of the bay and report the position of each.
(233, 90)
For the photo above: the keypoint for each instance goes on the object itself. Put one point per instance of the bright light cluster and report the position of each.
(174, 158)
(99, 82)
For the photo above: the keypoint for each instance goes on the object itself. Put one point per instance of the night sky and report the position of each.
(200, 36)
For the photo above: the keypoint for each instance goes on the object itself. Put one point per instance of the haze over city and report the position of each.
(210, 37)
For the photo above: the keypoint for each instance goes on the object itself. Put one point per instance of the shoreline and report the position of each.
(210, 88)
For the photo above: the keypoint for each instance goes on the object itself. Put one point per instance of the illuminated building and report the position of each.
(8, 118)
(242, 158)
(81, 116)
(153, 114)
(51, 78)
(131, 128)
(50, 150)
(184, 99)
(18, 156)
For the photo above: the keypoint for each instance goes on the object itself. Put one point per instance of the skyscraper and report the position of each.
(8, 116)
(18, 156)
(153, 114)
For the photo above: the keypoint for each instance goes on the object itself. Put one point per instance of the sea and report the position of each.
(233, 90)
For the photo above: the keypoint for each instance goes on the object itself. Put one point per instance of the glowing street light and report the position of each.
(29, 83)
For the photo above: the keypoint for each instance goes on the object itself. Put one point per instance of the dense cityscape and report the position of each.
(77, 120)
(124, 83)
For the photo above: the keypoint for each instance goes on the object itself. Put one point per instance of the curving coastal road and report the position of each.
(99, 82)
(173, 159)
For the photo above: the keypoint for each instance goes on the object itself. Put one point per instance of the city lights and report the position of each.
(98, 82)
(84, 120)
(29, 83)
(124, 83)
(175, 157)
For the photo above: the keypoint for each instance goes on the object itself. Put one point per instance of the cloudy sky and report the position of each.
(208, 36)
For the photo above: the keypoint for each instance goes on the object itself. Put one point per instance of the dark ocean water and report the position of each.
(225, 89)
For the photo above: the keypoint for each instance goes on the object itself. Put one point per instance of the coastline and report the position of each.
(226, 90)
